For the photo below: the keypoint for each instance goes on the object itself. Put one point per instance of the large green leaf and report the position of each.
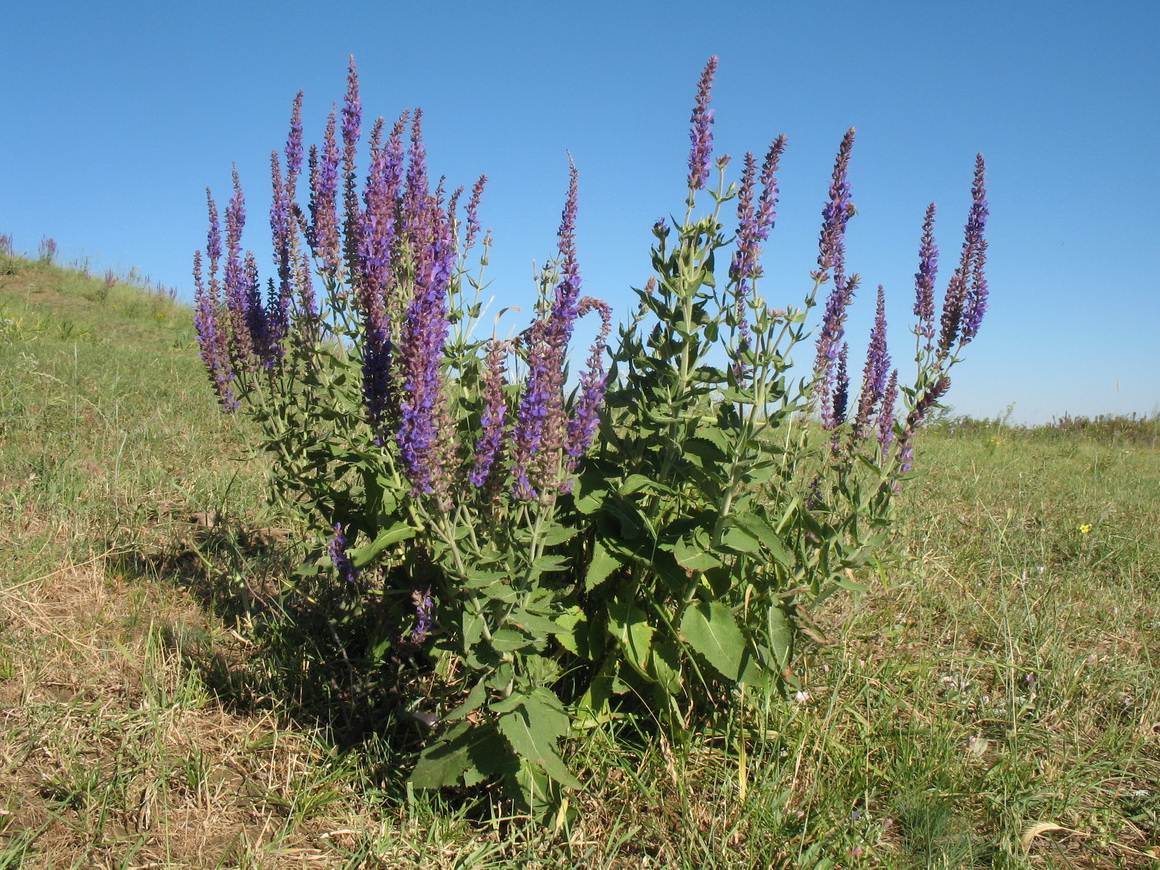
(532, 731)
(364, 555)
(709, 628)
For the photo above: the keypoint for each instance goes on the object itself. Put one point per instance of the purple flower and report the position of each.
(323, 203)
(924, 279)
(976, 302)
(237, 283)
(256, 323)
(423, 435)
(539, 432)
(294, 148)
(585, 413)
(832, 258)
(211, 338)
(377, 235)
(701, 130)
(753, 226)
(283, 240)
(874, 374)
(473, 213)
(886, 414)
(424, 614)
(351, 129)
(340, 558)
(966, 297)
(494, 412)
(835, 216)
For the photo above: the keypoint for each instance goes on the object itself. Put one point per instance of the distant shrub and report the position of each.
(537, 555)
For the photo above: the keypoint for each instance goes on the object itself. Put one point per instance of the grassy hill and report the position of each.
(167, 699)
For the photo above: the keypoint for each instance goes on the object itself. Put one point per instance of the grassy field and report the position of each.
(168, 700)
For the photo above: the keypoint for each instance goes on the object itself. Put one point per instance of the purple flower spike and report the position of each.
(874, 374)
(585, 415)
(283, 240)
(323, 201)
(340, 558)
(701, 130)
(976, 303)
(473, 213)
(294, 148)
(835, 216)
(424, 421)
(237, 283)
(886, 415)
(211, 337)
(424, 614)
(540, 428)
(832, 258)
(351, 130)
(924, 279)
(966, 297)
(494, 413)
(754, 222)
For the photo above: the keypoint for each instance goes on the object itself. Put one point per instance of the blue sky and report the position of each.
(116, 117)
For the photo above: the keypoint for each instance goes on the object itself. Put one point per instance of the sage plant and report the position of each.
(540, 547)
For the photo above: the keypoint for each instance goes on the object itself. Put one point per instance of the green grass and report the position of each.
(169, 699)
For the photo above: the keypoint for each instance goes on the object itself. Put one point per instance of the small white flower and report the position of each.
(801, 697)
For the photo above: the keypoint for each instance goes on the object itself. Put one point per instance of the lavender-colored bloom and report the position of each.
(586, 411)
(283, 241)
(323, 201)
(494, 413)
(294, 148)
(754, 223)
(424, 421)
(237, 285)
(886, 415)
(966, 296)
(701, 130)
(540, 427)
(6, 244)
(841, 396)
(975, 305)
(472, 214)
(340, 558)
(832, 258)
(424, 614)
(924, 279)
(351, 130)
(256, 324)
(211, 339)
(874, 374)
(374, 277)
(835, 216)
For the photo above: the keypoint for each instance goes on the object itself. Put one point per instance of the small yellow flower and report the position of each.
(1085, 529)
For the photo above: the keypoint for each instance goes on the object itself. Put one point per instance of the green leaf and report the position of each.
(628, 624)
(601, 567)
(757, 526)
(530, 729)
(781, 635)
(709, 628)
(693, 556)
(364, 555)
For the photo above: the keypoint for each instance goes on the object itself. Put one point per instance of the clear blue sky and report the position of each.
(116, 116)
